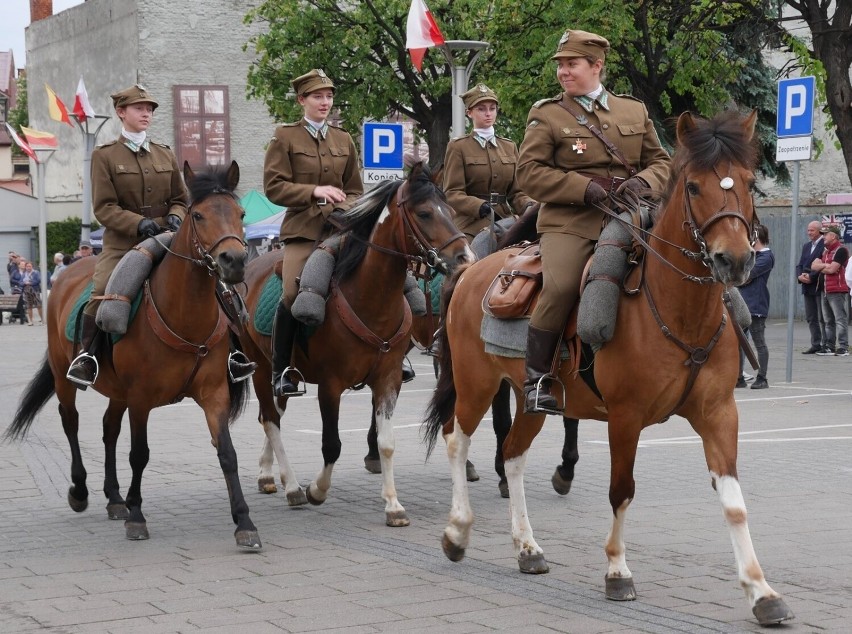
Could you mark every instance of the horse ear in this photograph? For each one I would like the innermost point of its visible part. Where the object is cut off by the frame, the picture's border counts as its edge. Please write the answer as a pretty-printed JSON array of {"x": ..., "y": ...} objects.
[
  {"x": 233, "y": 176},
  {"x": 685, "y": 124},
  {"x": 749, "y": 124},
  {"x": 188, "y": 174}
]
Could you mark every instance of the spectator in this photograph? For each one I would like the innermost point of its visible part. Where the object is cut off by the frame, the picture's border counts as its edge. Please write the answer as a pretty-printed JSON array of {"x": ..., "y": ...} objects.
[
  {"x": 755, "y": 292},
  {"x": 16, "y": 281},
  {"x": 835, "y": 301},
  {"x": 32, "y": 292},
  {"x": 12, "y": 265},
  {"x": 58, "y": 265},
  {"x": 812, "y": 290}
]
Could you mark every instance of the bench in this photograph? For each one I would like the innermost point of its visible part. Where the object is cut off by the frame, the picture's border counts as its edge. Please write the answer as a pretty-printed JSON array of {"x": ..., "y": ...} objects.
[{"x": 9, "y": 304}]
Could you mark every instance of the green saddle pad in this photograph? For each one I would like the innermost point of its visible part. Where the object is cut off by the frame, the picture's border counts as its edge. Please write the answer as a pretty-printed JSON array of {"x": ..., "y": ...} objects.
[
  {"x": 81, "y": 302},
  {"x": 435, "y": 285},
  {"x": 264, "y": 314}
]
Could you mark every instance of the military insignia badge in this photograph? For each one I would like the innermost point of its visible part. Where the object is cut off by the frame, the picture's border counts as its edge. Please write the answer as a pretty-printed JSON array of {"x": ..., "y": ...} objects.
[
  {"x": 532, "y": 123},
  {"x": 579, "y": 146},
  {"x": 483, "y": 88}
]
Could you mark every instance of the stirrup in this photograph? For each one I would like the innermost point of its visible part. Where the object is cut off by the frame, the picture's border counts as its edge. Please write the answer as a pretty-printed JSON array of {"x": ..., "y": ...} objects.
[
  {"x": 77, "y": 362},
  {"x": 538, "y": 409},
  {"x": 242, "y": 362},
  {"x": 407, "y": 370},
  {"x": 301, "y": 381},
  {"x": 434, "y": 350}
]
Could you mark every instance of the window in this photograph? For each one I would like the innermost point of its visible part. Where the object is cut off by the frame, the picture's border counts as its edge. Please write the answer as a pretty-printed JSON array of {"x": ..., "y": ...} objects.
[{"x": 202, "y": 131}]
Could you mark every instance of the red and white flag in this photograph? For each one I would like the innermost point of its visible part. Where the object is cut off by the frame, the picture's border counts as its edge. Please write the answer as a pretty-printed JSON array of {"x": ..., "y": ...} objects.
[
  {"x": 21, "y": 143},
  {"x": 82, "y": 108},
  {"x": 421, "y": 32}
]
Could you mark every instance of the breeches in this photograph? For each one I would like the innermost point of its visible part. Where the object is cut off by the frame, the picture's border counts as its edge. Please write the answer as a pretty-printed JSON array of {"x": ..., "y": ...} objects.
[
  {"x": 564, "y": 257},
  {"x": 296, "y": 253},
  {"x": 107, "y": 261}
]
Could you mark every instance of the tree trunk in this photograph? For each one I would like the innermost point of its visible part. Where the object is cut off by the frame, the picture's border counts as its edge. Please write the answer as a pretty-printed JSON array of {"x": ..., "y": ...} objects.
[{"x": 438, "y": 134}]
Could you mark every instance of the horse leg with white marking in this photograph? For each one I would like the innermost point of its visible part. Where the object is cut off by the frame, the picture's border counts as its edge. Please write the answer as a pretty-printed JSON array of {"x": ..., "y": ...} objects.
[
  {"x": 395, "y": 514},
  {"x": 457, "y": 533}
]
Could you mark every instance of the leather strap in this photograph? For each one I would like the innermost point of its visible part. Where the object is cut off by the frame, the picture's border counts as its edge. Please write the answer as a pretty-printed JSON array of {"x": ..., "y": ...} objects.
[
  {"x": 154, "y": 211},
  {"x": 113, "y": 296},
  {"x": 584, "y": 121},
  {"x": 360, "y": 329}
]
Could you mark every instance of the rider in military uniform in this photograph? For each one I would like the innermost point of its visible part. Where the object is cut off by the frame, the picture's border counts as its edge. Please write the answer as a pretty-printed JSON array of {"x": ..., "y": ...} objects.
[
  {"x": 479, "y": 169},
  {"x": 311, "y": 168},
  {"x": 559, "y": 156},
  {"x": 137, "y": 192}
]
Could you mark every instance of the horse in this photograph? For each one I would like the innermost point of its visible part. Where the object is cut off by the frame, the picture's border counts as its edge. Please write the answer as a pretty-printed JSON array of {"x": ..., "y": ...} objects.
[
  {"x": 366, "y": 329},
  {"x": 675, "y": 314},
  {"x": 178, "y": 348}
]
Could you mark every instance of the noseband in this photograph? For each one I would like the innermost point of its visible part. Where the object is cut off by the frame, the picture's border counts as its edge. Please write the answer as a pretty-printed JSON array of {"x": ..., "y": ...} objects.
[{"x": 429, "y": 255}]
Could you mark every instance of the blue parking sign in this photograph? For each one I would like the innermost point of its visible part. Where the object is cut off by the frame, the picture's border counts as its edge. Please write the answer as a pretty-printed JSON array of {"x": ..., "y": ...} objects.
[
  {"x": 795, "y": 107},
  {"x": 382, "y": 146}
]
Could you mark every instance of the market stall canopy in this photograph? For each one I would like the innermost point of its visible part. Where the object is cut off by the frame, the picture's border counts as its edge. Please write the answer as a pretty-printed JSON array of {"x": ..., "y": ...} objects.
[{"x": 258, "y": 207}]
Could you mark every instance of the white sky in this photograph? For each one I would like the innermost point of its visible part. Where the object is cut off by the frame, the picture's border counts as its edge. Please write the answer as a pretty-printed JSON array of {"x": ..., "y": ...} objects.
[{"x": 14, "y": 18}]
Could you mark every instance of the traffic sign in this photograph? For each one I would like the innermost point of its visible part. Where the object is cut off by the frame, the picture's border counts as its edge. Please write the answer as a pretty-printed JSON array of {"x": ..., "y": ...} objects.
[
  {"x": 382, "y": 146},
  {"x": 796, "y": 107}
]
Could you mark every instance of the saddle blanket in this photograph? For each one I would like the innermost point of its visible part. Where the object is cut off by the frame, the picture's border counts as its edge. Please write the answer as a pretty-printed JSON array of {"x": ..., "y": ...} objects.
[
  {"x": 80, "y": 304},
  {"x": 267, "y": 304},
  {"x": 508, "y": 337}
]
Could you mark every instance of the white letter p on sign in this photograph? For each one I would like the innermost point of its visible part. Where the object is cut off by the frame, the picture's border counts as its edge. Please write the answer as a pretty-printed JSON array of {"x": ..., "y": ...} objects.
[
  {"x": 383, "y": 143},
  {"x": 796, "y": 104}
]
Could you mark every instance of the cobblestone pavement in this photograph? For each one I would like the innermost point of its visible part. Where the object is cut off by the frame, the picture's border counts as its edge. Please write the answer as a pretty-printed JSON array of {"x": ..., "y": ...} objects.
[{"x": 338, "y": 567}]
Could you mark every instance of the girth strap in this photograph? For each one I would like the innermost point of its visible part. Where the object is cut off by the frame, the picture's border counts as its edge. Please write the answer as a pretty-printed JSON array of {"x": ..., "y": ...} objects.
[{"x": 360, "y": 329}]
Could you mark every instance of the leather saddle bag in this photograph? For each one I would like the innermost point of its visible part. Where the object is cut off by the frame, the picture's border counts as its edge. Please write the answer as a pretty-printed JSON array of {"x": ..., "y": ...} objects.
[{"x": 512, "y": 293}]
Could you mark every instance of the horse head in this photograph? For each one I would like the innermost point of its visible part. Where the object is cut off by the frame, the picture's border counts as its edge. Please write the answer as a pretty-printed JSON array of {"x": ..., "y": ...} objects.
[
  {"x": 214, "y": 223},
  {"x": 427, "y": 219},
  {"x": 714, "y": 175}
]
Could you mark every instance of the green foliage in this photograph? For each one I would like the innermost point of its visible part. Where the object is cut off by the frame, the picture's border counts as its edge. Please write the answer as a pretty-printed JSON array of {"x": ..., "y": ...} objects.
[
  {"x": 63, "y": 236},
  {"x": 19, "y": 115}
]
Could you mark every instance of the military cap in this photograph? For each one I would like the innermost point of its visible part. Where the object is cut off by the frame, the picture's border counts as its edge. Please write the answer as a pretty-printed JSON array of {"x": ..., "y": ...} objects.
[
  {"x": 129, "y": 96},
  {"x": 581, "y": 44},
  {"x": 832, "y": 229},
  {"x": 309, "y": 82},
  {"x": 477, "y": 94}
]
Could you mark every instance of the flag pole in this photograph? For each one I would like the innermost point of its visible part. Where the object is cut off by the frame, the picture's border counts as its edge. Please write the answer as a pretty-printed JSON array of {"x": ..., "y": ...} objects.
[
  {"x": 461, "y": 76},
  {"x": 89, "y": 138},
  {"x": 44, "y": 155}
]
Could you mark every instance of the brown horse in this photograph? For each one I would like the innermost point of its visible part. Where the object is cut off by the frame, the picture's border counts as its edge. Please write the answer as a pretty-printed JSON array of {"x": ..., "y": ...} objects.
[
  {"x": 177, "y": 348},
  {"x": 396, "y": 224},
  {"x": 705, "y": 225}
]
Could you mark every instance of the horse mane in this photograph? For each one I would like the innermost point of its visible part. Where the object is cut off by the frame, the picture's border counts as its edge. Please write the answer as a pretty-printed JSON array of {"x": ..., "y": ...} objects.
[
  {"x": 710, "y": 142},
  {"x": 361, "y": 219},
  {"x": 213, "y": 180}
]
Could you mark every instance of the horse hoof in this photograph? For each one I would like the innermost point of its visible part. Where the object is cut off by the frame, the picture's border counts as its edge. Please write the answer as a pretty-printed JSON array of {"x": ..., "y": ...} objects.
[
  {"x": 620, "y": 589},
  {"x": 453, "y": 552},
  {"x": 266, "y": 484},
  {"x": 249, "y": 540},
  {"x": 771, "y": 611},
  {"x": 397, "y": 519},
  {"x": 136, "y": 531},
  {"x": 117, "y": 511},
  {"x": 373, "y": 465},
  {"x": 78, "y": 506},
  {"x": 504, "y": 488},
  {"x": 296, "y": 498},
  {"x": 470, "y": 472},
  {"x": 314, "y": 501},
  {"x": 560, "y": 484},
  {"x": 533, "y": 564}
]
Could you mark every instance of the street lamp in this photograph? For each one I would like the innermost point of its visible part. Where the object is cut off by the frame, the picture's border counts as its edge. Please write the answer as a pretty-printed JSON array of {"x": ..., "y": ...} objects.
[{"x": 461, "y": 75}]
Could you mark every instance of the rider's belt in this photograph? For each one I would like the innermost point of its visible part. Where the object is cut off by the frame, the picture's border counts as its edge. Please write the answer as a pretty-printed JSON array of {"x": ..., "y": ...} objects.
[
  {"x": 155, "y": 211},
  {"x": 610, "y": 184},
  {"x": 492, "y": 198}
]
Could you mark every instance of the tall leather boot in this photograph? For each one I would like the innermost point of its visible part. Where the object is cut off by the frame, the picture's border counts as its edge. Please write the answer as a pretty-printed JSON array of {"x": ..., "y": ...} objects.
[
  {"x": 84, "y": 368},
  {"x": 283, "y": 336},
  {"x": 240, "y": 367},
  {"x": 541, "y": 348}
]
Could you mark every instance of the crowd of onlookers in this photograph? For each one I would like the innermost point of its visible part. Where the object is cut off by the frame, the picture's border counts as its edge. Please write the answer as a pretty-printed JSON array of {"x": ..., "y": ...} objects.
[{"x": 26, "y": 282}]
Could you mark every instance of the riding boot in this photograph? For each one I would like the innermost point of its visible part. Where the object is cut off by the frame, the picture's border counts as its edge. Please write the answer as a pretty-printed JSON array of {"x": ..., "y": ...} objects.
[
  {"x": 541, "y": 348},
  {"x": 407, "y": 370},
  {"x": 283, "y": 336},
  {"x": 240, "y": 367},
  {"x": 84, "y": 368}
]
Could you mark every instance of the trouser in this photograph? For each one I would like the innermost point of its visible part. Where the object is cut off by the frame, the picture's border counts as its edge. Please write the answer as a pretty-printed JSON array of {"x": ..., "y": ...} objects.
[
  {"x": 105, "y": 265},
  {"x": 835, "y": 311},
  {"x": 296, "y": 253},
  {"x": 757, "y": 330},
  {"x": 813, "y": 315}
]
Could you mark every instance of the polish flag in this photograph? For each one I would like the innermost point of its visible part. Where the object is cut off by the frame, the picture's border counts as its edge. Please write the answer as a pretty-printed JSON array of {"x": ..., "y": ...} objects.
[
  {"x": 39, "y": 140},
  {"x": 82, "y": 108},
  {"x": 21, "y": 143},
  {"x": 421, "y": 32},
  {"x": 57, "y": 109}
]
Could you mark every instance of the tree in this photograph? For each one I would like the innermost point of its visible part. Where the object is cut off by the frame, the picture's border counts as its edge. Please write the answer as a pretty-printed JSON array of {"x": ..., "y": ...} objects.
[
  {"x": 830, "y": 24},
  {"x": 675, "y": 55},
  {"x": 19, "y": 115}
]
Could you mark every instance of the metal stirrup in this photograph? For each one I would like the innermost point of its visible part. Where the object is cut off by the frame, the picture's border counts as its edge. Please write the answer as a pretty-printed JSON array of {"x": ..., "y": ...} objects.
[
  {"x": 79, "y": 360},
  {"x": 301, "y": 381},
  {"x": 241, "y": 359},
  {"x": 538, "y": 392}
]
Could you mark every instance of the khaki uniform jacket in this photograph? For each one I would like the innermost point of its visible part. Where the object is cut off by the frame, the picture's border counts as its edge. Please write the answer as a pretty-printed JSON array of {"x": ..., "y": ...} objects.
[
  {"x": 472, "y": 172},
  {"x": 124, "y": 181},
  {"x": 550, "y": 158},
  {"x": 296, "y": 163}
]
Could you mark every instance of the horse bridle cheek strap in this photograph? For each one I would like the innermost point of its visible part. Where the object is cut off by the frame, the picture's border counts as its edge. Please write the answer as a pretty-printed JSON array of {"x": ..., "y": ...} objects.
[
  {"x": 176, "y": 342},
  {"x": 697, "y": 356},
  {"x": 362, "y": 331},
  {"x": 408, "y": 224}
]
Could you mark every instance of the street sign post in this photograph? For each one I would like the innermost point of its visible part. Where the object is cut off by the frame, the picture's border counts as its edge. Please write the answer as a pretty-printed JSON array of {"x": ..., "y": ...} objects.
[{"x": 382, "y": 152}]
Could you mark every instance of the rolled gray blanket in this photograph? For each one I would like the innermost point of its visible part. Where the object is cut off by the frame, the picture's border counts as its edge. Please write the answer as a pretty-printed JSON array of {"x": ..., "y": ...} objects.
[
  {"x": 599, "y": 302},
  {"x": 126, "y": 280},
  {"x": 309, "y": 305},
  {"x": 414, "y": 296}
]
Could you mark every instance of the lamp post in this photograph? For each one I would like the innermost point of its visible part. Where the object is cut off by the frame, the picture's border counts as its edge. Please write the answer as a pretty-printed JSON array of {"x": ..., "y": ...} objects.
[
  {"x": 89, "y": 127},
  {"x": 461, "y": 75},
  {"x": 44, "y": 155}
]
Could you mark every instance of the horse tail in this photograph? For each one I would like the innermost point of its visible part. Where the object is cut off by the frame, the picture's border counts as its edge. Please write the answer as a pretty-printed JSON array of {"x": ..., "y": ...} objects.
[
  {"x": 41, "y": 387},
  {"x": 442, "y": 405},
  {"x": 238, "y": 392}
]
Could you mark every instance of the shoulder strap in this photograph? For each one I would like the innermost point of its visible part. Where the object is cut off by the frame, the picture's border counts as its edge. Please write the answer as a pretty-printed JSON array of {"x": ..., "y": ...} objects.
[{"x": 583, "y": 120}]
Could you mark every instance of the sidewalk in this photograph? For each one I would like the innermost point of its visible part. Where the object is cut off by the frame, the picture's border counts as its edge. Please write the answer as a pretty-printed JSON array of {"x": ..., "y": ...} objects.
[{"x": 337, "y": 567}]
